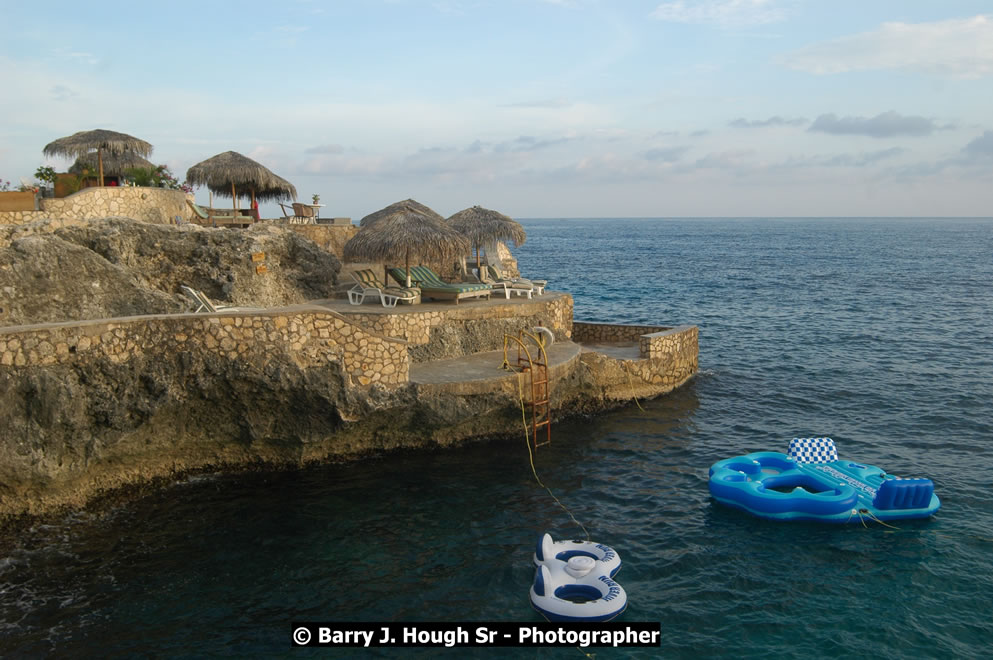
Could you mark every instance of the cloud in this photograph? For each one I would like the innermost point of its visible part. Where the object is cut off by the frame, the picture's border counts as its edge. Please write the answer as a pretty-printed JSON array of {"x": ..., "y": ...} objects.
[
  {"x": 741, "y": 122},
  {"x": 545, "y": 103},
  {"x": 63, "y": 93},
  {"x": 981, "y": 147},
  {"x": 325, "y": 149},
  {"x": 723, "y": 13},
  {"x": 665, "y": 154},
  {"x": 887, "y": 124},
  {"x": 528, "y": 143},
  {"x": 701, "y": 133},
  {"x": 958, "y": 48},
  {"x": 726, "y": 160},
  {"x": 844, "y": 160}
]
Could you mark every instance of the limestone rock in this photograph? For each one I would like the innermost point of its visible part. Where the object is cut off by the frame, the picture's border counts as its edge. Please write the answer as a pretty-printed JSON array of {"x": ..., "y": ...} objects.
[{"x": 118, "y": 267}]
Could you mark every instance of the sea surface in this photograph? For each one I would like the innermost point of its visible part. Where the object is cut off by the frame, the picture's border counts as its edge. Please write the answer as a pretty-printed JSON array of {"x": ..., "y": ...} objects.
[{"x": 875, "y": 332}]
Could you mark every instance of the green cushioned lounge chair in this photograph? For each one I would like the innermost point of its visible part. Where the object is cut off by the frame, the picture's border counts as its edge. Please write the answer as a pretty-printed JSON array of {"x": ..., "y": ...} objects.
[
  {"x": 432, "y": 286},
  {"x": 367, "y": 284}
]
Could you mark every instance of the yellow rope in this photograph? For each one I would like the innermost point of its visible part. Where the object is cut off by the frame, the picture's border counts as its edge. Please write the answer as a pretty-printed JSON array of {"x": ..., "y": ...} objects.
[
  {"x": 631, "y": 383},
  {"x": 534, "y": 471},
  {"x": 881, "y": 522}
]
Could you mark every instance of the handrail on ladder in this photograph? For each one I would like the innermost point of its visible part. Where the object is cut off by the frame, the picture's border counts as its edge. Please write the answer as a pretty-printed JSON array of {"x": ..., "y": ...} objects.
[{"x": 541, "y": 415}]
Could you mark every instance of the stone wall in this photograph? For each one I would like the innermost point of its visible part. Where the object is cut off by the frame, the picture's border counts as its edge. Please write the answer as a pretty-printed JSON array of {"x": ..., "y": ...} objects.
[
  {"x": 312, "y": 336},
  {"x": 455, "y": 330},
  {"x": 20, "y": 217},
  {"x": 680, "y": 343},
  {"x": 585, "y": 332},
  {"x": 668, "y": 358},
  {"x": 155, "y": 205}
]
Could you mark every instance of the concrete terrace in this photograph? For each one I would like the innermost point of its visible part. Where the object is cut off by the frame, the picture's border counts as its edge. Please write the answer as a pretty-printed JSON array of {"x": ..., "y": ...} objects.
[
  {"x": 482, "y": 371},
  {"x": 486, "y": 367}
]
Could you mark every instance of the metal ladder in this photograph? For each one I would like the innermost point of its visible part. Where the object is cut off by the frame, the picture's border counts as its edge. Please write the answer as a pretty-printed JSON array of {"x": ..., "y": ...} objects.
[{"x": 537, "y": 369}]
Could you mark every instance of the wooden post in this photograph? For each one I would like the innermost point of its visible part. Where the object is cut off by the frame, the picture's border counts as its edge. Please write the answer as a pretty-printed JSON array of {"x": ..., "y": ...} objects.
[
  {"x": 100, "y": 164},
  {"x": 234, "y": 200}
]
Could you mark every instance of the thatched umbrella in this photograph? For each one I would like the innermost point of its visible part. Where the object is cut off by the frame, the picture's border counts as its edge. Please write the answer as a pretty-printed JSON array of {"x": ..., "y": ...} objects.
[
  {"x": 113, "y": 164},
  {"x": 232, "y": 174},
  {"x": 483, "y": 225},
  {"x": 403, "y": 233},
  {"x": 407, "y": 203},
  {"x": 110, "y": 142}
]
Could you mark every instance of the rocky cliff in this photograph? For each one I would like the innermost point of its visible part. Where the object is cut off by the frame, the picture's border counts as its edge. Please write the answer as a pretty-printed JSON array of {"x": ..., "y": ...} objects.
[{"x": 118, "y": 267}]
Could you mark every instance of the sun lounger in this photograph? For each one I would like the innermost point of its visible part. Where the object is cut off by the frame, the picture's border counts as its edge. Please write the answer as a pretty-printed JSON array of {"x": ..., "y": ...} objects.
[
  {"x": 520, "y": 287},
  {"x": 208, "y": 217},
  {"x": 432, "y": 286},
  {"x": 203, "y": 303},
  {"x": 492, "y": 272},
  {"x": 303, "y": 214},
  {"x": 367, "y": 284}
]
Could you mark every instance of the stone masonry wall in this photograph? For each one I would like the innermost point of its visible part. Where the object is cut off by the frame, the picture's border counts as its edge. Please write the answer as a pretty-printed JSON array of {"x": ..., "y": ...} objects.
[
  {"x": 682, "y": 342},
  {"x": 155, "y": 205},
  {"x": 593, "y": 333},
  {"x": 20, "y": 217},
  {"x": 311, "y": 336},
  {"x": 668, "y": 359},
  {"x": 455, "y": 330}
]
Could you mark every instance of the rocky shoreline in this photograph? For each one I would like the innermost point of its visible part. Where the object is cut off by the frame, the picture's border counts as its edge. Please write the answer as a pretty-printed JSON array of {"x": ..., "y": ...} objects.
[{"x": 97, "y": 410}]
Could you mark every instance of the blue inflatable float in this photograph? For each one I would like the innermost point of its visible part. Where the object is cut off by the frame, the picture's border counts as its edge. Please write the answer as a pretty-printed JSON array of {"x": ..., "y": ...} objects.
[{"x": 811, "y": 483}]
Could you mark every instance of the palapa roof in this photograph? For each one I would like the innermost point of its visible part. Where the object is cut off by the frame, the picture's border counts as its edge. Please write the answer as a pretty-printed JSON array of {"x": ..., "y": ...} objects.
[
  {"x": 408, "y": 203},
  {"x": 405, "y": 234},
  {"x": 113, "y": 164},
  {"x": 108, "y": 142},
  {"x": 248, "y": 176},
  {"x": 483, "y": 225}
]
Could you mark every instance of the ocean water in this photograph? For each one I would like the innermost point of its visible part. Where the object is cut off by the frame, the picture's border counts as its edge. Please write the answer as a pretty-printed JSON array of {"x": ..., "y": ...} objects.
[{"x": 876, "y": 332}]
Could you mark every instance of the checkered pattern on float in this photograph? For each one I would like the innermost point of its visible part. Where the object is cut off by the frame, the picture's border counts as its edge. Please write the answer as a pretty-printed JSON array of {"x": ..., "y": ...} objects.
[{"x": 813, "y": 450}]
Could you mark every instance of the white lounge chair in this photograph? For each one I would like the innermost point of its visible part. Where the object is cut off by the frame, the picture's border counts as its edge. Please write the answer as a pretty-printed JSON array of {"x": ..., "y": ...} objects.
[
  {"x": 202, "y": 302},
  {"x": 518, "y": 285}
]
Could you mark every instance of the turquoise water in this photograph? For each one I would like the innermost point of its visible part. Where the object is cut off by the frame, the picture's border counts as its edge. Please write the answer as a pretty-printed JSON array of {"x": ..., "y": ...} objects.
[{"x": 878, "y": 333}]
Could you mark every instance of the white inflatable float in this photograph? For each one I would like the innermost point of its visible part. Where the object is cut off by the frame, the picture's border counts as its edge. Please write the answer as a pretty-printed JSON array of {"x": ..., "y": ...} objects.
[{"x": 573, "y": 581}]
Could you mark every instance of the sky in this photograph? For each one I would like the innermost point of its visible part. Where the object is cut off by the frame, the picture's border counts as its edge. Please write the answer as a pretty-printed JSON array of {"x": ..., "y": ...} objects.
[{"x": 535, "y": 108}]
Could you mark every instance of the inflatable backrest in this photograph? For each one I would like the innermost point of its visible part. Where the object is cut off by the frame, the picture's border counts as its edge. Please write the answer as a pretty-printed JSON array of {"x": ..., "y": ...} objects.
[
  {"x": 545, "y": 549},
  {"x": 903, "y": 494},
  {"x": 542, "y": 577},
  {"x": 813, "y": 450}
]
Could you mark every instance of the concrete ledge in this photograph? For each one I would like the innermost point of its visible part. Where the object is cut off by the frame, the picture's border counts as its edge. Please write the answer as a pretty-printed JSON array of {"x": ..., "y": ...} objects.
[{"x": 481, "y": 373}]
